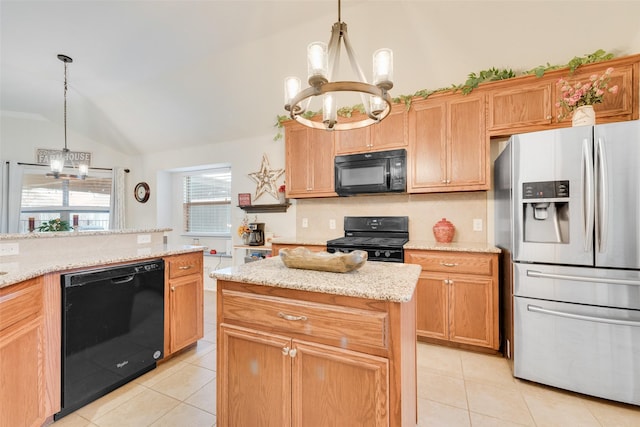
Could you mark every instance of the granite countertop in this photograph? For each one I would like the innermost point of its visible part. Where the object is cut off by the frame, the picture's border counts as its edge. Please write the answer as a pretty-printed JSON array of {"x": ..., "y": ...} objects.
[
  {"x": 384, "y": 281},
  {"x": 62, "y": 234},
  {"x": 15, "y": 269},
  {"x": 451, "y": 247}
]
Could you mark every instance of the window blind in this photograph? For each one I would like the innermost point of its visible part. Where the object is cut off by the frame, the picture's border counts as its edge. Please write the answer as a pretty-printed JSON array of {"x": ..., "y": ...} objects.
[{"x": 207, "y": 201}]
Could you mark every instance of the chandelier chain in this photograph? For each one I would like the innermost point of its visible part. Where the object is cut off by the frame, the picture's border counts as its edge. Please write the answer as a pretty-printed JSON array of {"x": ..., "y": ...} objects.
[{"x": 65, "y": 105}]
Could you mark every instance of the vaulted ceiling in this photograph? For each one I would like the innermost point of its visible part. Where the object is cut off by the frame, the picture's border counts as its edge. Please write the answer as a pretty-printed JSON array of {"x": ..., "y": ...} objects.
[{"x": 155, "y": 75}]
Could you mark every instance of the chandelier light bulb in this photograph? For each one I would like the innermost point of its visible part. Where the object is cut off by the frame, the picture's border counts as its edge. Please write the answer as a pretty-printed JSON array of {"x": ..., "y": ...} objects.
[
  {"x": 83, "y": 170},
  {"x": 292, "y": 87},
  {"x": 329, "y": 111},
  {"x": 317, "y": 63},
  {"x": 383, "y": 68},
  {"x": 377, "y": 105},
  {"x": 57, "y": 164}
]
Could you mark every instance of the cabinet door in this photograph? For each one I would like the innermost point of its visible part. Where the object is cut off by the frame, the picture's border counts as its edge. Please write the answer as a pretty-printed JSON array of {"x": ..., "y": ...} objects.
[
  {"x": 22, "y": 358},
  {"x": 309, "y": 162},
  {"x": 328, "y": 385},
  {"x": 468, "y": 165},
  {"x": 471, "y": 310},
  {"x": 185, "y": 311},
  {"x": 392, "y": 132},
  {"x": 520, "y": 107},
  {"x": 432, "y": 311},
  {"x": 254, "y": 372},
  {"x": 427, "y": 139},
  {"x": 353, "y": 141}
]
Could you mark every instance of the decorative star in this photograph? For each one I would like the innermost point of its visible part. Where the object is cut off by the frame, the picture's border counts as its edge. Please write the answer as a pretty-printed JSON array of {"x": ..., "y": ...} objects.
[{"x": 266, "y": 178}]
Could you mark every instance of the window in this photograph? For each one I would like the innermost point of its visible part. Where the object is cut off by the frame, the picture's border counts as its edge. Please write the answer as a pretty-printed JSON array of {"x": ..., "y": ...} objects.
[
  {"x": 207, "y": 201},
  {"x": 44, "y": 198}
]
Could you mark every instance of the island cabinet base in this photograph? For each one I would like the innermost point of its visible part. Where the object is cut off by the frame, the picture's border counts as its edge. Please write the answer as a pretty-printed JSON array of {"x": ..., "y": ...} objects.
[{"x": 298, "y": 358}]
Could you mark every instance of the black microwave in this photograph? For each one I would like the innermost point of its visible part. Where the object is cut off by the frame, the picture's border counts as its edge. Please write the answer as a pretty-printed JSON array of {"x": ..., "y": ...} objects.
[{"x": 376, "y": 172}]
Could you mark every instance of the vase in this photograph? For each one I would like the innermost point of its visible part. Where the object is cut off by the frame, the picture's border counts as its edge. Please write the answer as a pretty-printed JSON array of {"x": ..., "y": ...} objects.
[
  {"x": 584, "y": 116},
  {"x": 443, "y": 231},
  {"x": 281, "y": 198},
  {"x": 245, "y": 239}
]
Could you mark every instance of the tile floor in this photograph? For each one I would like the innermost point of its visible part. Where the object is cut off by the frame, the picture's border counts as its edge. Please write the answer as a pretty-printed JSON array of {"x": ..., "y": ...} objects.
[{"x": 455, "y": 388}]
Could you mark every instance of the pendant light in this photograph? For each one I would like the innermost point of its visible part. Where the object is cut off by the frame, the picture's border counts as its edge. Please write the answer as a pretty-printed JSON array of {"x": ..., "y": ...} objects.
[
  {"x": 322, "y": 61},
  {"x": 58, "y": 160}
]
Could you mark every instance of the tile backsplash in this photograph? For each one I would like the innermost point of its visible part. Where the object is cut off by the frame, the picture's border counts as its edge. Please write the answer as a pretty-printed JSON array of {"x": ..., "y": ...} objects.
[{"x": 423, "y": 210}]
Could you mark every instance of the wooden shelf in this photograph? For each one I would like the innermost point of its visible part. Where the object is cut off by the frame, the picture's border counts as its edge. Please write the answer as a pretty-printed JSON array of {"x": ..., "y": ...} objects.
[{"x": 266, "y": 208}]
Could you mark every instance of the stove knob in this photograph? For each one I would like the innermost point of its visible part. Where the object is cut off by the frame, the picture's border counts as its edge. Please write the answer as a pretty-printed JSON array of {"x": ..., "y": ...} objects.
[
  {"x": 377, "y": 253},
  {"x": 387, "y": 254}
]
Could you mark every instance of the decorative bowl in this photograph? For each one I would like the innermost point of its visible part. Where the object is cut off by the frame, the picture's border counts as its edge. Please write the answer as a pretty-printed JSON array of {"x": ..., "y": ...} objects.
[{"x": 338, "y": 262}]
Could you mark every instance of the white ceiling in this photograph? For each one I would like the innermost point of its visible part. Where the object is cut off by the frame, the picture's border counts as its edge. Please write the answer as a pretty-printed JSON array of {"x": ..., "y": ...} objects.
[{"x": 154, "y": 75}]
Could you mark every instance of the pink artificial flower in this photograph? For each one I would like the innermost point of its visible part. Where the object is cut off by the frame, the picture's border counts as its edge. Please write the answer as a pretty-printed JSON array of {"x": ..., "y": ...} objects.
[{"x": 613, "y": 89}]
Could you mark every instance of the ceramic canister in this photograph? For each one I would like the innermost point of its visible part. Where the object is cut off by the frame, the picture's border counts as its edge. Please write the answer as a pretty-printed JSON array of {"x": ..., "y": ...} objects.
[{"x": 443, "y": 231}]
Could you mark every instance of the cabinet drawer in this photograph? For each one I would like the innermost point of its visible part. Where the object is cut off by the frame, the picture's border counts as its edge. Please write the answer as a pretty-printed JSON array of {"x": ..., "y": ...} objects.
[
  {"x": 183, "y": 265},
  {"x": 343, "y": 325},
  {"x": 20, "y": 302},
  {"x": 454, "y": 262}
]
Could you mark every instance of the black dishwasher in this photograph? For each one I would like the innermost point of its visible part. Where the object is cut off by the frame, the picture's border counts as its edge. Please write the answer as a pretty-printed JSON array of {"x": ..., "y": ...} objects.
[{"x": 112, "y": 329}]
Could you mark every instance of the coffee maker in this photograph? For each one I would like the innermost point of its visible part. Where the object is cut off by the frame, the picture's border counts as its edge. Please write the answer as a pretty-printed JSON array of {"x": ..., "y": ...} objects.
[{"x": 256, "y": 233}]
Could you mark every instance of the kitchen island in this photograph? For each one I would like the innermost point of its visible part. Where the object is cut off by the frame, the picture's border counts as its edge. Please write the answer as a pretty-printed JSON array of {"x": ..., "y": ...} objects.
[{"x": 301, "y": 347}]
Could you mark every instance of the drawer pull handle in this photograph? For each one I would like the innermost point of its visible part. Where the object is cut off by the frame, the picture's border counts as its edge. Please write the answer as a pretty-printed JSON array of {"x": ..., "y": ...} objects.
[
  {"x": 449, "y": 264},
  {"x": 293, "y": 352},
  {"x": 173, "y": 289},
  {"x": 285, "y": 351},
  {"x": 291, "y": 317},
  {"x": 185, "y": 267}
]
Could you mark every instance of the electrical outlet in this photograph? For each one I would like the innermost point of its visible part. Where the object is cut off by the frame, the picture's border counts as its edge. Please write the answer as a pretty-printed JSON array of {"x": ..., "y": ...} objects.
[
  {"x": 144, "y": 238},
  {"x": 305, "y": 222},
  {"x": 7, "y": 249},
  {"x": 332, "y": 224},
  {"x": 477, "y": 224}
]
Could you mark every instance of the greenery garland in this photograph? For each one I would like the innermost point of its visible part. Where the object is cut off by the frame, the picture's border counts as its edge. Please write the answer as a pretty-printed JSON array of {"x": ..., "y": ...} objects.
[{"x": 472, "y": 82}]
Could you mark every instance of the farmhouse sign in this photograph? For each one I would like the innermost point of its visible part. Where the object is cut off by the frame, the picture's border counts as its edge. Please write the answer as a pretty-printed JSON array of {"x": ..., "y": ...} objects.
[{"x": 70, "y": 157}]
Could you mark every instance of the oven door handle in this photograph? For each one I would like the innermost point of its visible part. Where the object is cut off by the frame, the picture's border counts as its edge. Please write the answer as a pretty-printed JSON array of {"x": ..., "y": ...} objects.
[{"x": 536, "y": 309}]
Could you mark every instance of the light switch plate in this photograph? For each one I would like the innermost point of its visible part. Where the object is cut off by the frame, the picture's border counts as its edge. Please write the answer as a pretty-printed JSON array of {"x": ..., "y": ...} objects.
[
  {"x": 332, "y": 224},
  {"x": 477, "y": 224},
  {"x": 305, "y": 222}
]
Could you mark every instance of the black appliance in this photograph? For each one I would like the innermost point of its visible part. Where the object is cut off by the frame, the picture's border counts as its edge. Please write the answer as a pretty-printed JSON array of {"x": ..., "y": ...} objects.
[
  {"x": 256, "y": 235},
  {"x": 377, "y": 172},
  {"x": 112, "y": 329},
  {"x": 383, "y": 237}
]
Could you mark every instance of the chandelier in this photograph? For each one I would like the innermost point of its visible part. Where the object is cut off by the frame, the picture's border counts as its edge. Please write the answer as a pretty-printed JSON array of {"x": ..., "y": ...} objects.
[
  {"x": 57, "y": 161},
  {"x": 322, "y": 62}
]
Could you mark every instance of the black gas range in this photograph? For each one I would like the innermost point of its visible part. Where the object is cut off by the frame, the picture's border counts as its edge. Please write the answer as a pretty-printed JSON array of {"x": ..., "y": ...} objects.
[{"x": 383, "y": 237}]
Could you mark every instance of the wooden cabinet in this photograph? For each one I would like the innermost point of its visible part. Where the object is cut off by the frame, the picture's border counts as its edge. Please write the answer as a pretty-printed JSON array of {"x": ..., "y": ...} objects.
[
  {"x": 184, "y": 311},
  {"x": 296, "y": 358},
  {"x": 528, "y": 103},
  {"x": 389, "y": 134},
  {"x": 314, "y": 248},
  {"x": 29, "y": 353},
  {"x": 448, "y": 145},
  {"x": 309, "y": 161},
  {"x": 457, "y": 297}
]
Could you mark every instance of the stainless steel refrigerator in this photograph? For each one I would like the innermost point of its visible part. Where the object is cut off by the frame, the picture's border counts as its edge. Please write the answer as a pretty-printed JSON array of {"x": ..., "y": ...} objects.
[{"x": 567, "y": 206}]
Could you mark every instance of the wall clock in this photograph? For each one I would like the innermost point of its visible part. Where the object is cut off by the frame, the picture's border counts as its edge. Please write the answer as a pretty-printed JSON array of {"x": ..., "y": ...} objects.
[{"x": 141, "y": 192}]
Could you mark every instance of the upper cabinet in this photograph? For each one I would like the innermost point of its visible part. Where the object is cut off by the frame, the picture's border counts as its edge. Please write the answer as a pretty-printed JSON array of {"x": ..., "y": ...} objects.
[
  {"x": 309, "y": 161},
  {"x": 448, "y": 144},
  {"x": 389, "y": 134},
  {"x": 528, "y": 103}
]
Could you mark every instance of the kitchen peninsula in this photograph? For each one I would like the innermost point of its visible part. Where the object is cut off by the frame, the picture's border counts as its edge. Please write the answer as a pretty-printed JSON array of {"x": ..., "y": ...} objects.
[
  {"x": 316, "y": 348},
  {"x": 30, "y": 306}
]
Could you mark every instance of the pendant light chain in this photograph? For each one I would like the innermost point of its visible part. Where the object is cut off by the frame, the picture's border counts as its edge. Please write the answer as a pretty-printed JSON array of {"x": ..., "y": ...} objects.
[{"x": 65, "y": 105}]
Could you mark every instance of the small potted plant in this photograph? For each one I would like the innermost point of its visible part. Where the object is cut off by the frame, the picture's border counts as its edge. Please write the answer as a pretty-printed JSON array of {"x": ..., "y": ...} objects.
[
  {"x": 577, "y": 99},
  {"x": 282, "y": 197},
  {"x": 54, "y": 225}
]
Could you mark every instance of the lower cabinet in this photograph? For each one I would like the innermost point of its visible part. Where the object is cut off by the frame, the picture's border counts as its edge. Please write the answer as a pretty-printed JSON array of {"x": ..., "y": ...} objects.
[
  {"x": 29, "y": 356},
  {"x": 296, "y": 358},
  {"x": 307, "y": 383},
  {"x": 457, "y": 297},
  {"x": 184, "y": 293}
]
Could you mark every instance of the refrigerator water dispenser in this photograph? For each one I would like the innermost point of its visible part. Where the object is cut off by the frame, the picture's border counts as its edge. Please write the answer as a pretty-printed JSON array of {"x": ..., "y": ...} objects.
[{"x": 546, "y": 211}]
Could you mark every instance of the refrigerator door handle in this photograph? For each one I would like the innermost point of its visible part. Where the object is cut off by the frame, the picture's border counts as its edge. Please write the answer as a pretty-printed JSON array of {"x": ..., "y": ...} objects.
[
  {"x": 536, "y": 309},
  {"x": 587, "y": 196},
  {"x": 539, "y": 274},
  {"x": 601, "y": 195}
]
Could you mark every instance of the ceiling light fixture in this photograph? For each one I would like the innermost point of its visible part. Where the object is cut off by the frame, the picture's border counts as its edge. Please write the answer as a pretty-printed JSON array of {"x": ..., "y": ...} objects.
[
  {"x": 322, "y": 61},
  {"x": 58, "y": 160}
]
